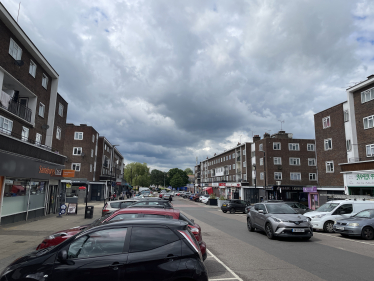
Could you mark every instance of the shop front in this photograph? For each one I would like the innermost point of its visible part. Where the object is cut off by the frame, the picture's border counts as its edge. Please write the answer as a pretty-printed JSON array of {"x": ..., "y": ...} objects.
[
  {"x": 25, "y": 191},
  {"x": 359, "y": 183},
  {"x": 313, "y": 197},
  {"x": 288, "y": 193}
]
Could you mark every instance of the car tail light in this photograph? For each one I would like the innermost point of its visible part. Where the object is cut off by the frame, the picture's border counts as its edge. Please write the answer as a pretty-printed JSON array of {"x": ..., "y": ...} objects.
[
  {"x": 196, "y": 232},
  {"x": 105, "y": 208},
  {"x": 186, "y": 234}
]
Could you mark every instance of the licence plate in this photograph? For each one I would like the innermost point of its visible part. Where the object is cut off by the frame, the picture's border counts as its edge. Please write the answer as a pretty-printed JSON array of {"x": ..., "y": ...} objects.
[
  {"x": 224, "y": 205},
  {"x": 298, "y": 230},
  {"x": 339, "y": 227}
]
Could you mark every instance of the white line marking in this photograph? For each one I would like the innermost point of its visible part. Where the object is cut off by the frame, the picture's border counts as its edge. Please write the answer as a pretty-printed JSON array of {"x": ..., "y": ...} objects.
[
  {"x": 223, "y": 279},
  {"x": 345, "y": 239},
  {"x": 225, "y": 266}
]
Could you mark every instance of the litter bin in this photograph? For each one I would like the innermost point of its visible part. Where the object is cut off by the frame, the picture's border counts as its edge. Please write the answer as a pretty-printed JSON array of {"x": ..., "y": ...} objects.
[{"x": 89, "y": 212}]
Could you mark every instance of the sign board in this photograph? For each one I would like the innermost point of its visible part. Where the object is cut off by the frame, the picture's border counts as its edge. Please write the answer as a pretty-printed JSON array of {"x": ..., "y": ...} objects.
[
  {"x": 63, "y": 209},
  {"x": 215, "y": 184},
  {"x": 310, "y": 189},
  {"x": 72, "y": 208},
  {"x": 358, "y": 180},
  {"x": 234, "y": 184},
  {"x": 68, "y": 173},
  {"x": 222, "y": 184}
]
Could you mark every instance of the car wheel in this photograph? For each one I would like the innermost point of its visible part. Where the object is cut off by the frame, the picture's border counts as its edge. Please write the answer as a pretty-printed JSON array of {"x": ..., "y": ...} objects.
[
  {"x": 232, "y": 211},
  {"x": 269, "y": 231},
  {"x": 328, "y": 227},
  {"x": 224, "y": 212},
  {"x": 367, "y": 233},
  {"x": 249, "y": 225}
]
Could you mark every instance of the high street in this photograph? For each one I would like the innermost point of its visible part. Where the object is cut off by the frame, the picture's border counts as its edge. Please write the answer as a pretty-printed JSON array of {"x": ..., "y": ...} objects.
[{"x": 252, "y": 256}]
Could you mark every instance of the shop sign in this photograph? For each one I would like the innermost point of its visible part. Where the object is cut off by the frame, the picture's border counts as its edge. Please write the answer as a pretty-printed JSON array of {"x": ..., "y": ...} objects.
[
  {"x": 310, "y": 189},
  {"x": 68, "y": 173},
  {"x": 293, "y": 188},
  {"x": 215, "y": 184},
  {"x": 8, "y": 182},
  {"x": 119, "y": 183},
  {"x": 222, "y": 184},
  {"x": 68, "y": 185},
  {"x": 46, "y": 170},
  {"x": 234, "y": 184},
  {"x": 360, "y": 179},
  {"x": 58, "y": 172}
]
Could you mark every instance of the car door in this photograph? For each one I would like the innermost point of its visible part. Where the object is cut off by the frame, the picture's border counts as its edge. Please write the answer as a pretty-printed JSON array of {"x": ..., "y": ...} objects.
[
  {"x": 343, "y": 211},
  {"x": 242, "y": 205},
  {"x": 260, "y": 219},
  {"x": 154, "y": 254},
  {"x": 95, "y": 256}
]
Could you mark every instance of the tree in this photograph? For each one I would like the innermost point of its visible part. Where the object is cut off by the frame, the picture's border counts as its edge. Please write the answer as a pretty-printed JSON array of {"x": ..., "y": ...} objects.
[
  {"x": 188, "y": 171},
  {"x": 183, "y": 175},
  {"x": 157, "y": 177},
  {"x": 137, "y": 174},
  {"x": 177, "y": 181}
]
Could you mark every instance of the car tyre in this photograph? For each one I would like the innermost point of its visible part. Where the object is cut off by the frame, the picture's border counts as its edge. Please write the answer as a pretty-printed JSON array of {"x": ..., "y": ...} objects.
[
  {"x": 249, "y": 226},
  {"x": 232, "y": 211},
  {"x": 224, "y": 212},
  {"x": 269, "y": 231},
  {"x": 328, "y": 227},
  {"x": 367, "y": 233}
]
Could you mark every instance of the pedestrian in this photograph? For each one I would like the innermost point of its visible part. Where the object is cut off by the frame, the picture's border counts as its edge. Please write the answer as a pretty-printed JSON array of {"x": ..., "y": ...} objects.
[
  {"x": 128, "y": 195},
  {"x": 114, "y": 196},
  {"x": 110, "y": 196},
  {"x": 170, "y": 198}
]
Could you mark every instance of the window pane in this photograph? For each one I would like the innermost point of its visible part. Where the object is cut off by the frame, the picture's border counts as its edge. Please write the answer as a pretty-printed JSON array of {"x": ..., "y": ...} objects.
[
  {"x": 370, "y": 125},
  {"x": 123, "y": 216}
]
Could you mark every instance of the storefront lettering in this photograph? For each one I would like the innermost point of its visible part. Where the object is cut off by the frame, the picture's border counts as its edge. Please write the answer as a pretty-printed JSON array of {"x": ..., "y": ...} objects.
[
  {"x": 43, "y": 170},
  {"x": 364, "y": 176}
]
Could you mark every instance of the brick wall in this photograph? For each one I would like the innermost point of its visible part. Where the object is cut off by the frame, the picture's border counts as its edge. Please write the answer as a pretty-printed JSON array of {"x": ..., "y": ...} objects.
[{"x": 60, "y": 121}]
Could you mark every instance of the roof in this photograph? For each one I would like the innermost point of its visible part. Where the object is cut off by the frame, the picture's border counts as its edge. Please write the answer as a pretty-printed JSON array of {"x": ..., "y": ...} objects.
[{"x": 155, "y": 211}]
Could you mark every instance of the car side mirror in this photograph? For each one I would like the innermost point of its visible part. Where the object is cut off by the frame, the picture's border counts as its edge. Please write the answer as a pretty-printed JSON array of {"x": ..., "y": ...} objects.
[
  {"x": 62, "y": 256},
  {"x": 261, "y": 211},
  {"x": 192, "y": 220}
]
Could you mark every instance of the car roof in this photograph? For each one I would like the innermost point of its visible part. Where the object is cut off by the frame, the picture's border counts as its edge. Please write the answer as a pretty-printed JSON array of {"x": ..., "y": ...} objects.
[
  {"x": 151, "y": 199},
  {"x": 147, "y": 211}
]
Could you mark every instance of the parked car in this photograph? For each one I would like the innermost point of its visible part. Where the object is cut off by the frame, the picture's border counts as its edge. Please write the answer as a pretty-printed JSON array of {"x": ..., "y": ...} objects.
[
  {"x": 202, "y": 197},
  {"x": 298, "y": 207},
  {"x": 278, "y": 220},
  {"x": 361, "y": 224},
  {"x": 111, "y": 206},
  {"x": 205, "y": 199},
  {"x": 191, "y": 196},
  {"x": 196, "y": 197},
  {"x": 100, "y": 253},
  {"x": 324, "y": 217},
  {"x": 247, "y": 208},
  {"x": 167, "y": 196},
  {"x": 234, "y": 205},
  {"x": 155, "y": 203},
  {"x": 186, "y": 194}
]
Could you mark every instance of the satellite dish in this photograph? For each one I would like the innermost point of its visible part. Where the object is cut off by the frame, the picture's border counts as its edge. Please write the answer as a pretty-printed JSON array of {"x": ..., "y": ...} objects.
[
  {"x": 83, "y": 154},
  {"x": 45, "y": 126},
  {"x": 19, "y": 62}
]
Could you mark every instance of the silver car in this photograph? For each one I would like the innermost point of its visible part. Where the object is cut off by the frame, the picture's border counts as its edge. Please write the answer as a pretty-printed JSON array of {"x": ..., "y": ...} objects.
[
  {"x": 361, "y": 224},
  {"x": 278, "y": 220}
]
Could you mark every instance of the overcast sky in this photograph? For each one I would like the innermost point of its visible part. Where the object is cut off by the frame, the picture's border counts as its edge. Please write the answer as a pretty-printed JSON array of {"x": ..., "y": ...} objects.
[{"x": 172, "y": 80}]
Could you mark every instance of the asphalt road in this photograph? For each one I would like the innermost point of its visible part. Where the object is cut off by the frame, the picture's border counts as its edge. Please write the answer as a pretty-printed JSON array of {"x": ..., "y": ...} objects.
[{"x": 252, "y": 256}]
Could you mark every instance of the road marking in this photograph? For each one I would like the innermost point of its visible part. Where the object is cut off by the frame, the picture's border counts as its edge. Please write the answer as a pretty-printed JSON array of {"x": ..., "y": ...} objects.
[
  {"x": 225, "y": 266},
  {"x": 345, "y": 239}
]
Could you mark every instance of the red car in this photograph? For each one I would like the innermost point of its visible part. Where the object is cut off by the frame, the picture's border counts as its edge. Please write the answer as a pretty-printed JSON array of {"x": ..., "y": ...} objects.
[
  {"x": 161, "y": 195},
  {"x": 128, "y": 213}
]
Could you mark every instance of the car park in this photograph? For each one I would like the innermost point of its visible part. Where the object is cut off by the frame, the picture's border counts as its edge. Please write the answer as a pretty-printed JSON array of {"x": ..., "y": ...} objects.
[
  {"x": 278, "y": 220},
  {"x": 361, "y": 224},
  {"x": 112, "y": 251},
  {"x": 298, "y": 207},
  {"x": 233, "y": 206},
  {"x": 324, "y": 217}
]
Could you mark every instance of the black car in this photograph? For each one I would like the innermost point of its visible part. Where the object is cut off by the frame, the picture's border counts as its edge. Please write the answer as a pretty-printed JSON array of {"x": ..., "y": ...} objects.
[
  {"x": 126, "y": 250},
  {"x": 234, "y": 205},
  {"x": 152, "y": 203}
]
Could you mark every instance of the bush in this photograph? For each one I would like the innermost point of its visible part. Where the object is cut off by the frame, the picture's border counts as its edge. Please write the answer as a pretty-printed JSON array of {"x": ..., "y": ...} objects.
[
  {"x": 222, "y": 197},
  {"x": 213, "y": 196}
]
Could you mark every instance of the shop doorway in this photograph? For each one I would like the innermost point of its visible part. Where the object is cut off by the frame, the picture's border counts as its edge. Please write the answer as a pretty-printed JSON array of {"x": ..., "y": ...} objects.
[
  {"x": 52, "y": 199},
  {"x": 97, "y": 192},
  {"x": 313, "y": 201},
  {"x": 251, "y": 195}
]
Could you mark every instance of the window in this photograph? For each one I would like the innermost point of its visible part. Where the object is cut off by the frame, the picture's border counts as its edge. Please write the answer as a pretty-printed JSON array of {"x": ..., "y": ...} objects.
[
  {"x": 370, "y": 150},
  {"x": 311, "y": 161},
  {"x": 91, "y": 152},
  {"x": 76, "y": 166},
  {"x": 312, "y": 176},
  {"x": 277, "y": 161},
  {"x": 230, "y": 167},
  {"x": 227, "y": 158},
  {"x": 77, "y": 151},
  {"x": 245, "y": 177},
  {"x": 230, "y": 157},
  {"x": 261, "y": 176},
  {"x": 156, "y": 237},
  {"x": 277, "y": 175},
  {"x": 253, "y": 154},
  {"x": 38, "y": 139},
  {"x": 368, "y": 122},
  {"x": 329, "y": 166},
  {"x": 344, "y": 209},
  {"x": 346, "y": 116},
  {"x": 328, "y": 144},
  {"x": 58, "y": 133},
  {"x": 25, "y": 133},
  {"x": 93, "y": 138},
  {"x": 295, "y": 176},
  {"x": 90, "y": 168},
  {"x": 244, "y": 164},
  {"x": 261, "y": 161},
  {"x": 260, "y": 148},
  {"x": 41, "y": 109},
  {"x": 221, "y": 159},
  {"x": 104, "y": 147},
  {"x": 233, "y": 166},
  {"x": 243, "y": 151},
  {"x": 326, "y": 122},
  {"x": 294, "y": 161},
  {"x": 99, "y": 243},
  {"x": 276, "y": 145},
  {"x": 78, "y": 135},
  {"x": 368, "y": 95},
  {"x": 293, "y": 146},
  {"x": 348, "y": 145},
  {"x": 6, "y": 125},
  {"x": 14, "y": 50},
  {"x": 60, "y": 110},
  {"x": 45, "y": 81},
  {"x": 32, "y": 68},
  {"x": 310, "y": 146}
]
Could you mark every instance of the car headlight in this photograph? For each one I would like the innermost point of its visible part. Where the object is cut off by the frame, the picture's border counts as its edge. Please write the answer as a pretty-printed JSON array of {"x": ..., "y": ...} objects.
[
  {"x": 276, "y": 219},
  {"x": 334, "y": 222},
  {"x": 319, "y": 216},
  {"x": 53, "y": 236},
  {"x": 353, "y": 224}
]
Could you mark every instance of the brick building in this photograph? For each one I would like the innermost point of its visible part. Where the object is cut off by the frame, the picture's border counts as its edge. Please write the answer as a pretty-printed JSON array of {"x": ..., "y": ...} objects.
[{"x": 30, "y": 156}]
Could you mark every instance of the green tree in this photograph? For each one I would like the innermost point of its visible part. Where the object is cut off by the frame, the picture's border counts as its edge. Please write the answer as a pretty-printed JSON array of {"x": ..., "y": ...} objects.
[
  {"x": 137, "y": 174},
  {"x": 157, "y": 177},
  {"x": 181, "y": 173},
  {"x": 177, "y": 181},
  {"x": 188, "y": 171}
]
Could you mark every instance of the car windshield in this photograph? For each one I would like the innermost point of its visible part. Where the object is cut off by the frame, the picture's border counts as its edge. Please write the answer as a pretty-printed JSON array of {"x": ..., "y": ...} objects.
[
  {"x": 328, "y": 207},
  {"x": 367, "y": 214},
  {"x": 280, "y": 209},
  {"x": 100, "y": 220}
]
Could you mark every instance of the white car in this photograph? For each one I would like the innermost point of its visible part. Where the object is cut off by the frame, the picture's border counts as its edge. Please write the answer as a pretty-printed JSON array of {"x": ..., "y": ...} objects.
[
  {"x": 203, "y": 197},
  {"x": 112, "y": 206}
]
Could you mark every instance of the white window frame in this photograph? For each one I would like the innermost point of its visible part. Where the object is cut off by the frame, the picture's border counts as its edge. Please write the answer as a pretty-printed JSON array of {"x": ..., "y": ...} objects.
[
  {"x": 327, "y": 144},
  {"x": 277, "y": 160},
  {"x": 295, "y": 176},
  {"x": 45, "y": 81},
  {"x": 25, "y": 133},
  {"x": 278, "y": 176},
  {"x": 38, "y": 139},
  {"x": 6, "y": 125},
  {"x": 329, "y": 167},
  {"x": 60, "y": 109},
  {"x": 348, "y": 145},
  {"x": 294, "y": 161},
  {"x": 367, "y": 95},
  {"x": 311, "y": 161},
  {"x": 243, "y": 151},
  {"x": 14, "y": 50},
  {"x": 346, "y": 115},
  {"x": 261, "y": 175},
  {"x": 370, "y": 150},
  {"x": 294, "y": 147},
  {"x": 90, "y": 168},
  {"x": 276, "y": 146},
  {"x": 92, "y": 152},
  {"x": 77, "y": 151},
  {"x": 244, "y": 164},
  {"x": 326, "y": 122},
  {"x": 93, "y": 138},
  {"x": 41, "y": 112},
  {"x": 77, "y": 135},
  {"x": 310, "y": 147},
  {"x": 312, "y": 176},
  {"x": 32, "y": 68},
  {"x": 58, "y": 133},
  {"x": 261, "y": 147},
  {"x": 230, "y": 157},
  {"x": 261, "y": 161},
  {"x": 368, "y": 122},
  {"x": 233, "y": 166},
  {"x": 76, "y": 167}
]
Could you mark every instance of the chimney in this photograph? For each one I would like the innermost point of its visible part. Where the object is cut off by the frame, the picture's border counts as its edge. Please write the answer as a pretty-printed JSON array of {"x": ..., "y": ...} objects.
[
  {"x": 256, "y": 138},
  {"x": 371, "y": 76},
  {"x": 266, "y": 135}
]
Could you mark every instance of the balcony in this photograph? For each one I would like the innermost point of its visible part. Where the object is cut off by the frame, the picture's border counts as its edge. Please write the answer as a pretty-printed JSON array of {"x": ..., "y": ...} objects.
[
  {"x": 20, "y": 110},
  {"x": 238, "y": 158}
]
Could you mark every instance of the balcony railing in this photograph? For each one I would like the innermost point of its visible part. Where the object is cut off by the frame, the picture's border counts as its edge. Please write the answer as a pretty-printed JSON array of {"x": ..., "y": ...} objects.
[
  {"x": 17, "y": 109},
  {"x": 356, "y": 159}
]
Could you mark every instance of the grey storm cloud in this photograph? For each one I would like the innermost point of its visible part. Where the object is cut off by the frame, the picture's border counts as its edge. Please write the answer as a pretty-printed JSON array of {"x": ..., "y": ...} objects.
[{"x": 169, "y": 80}]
